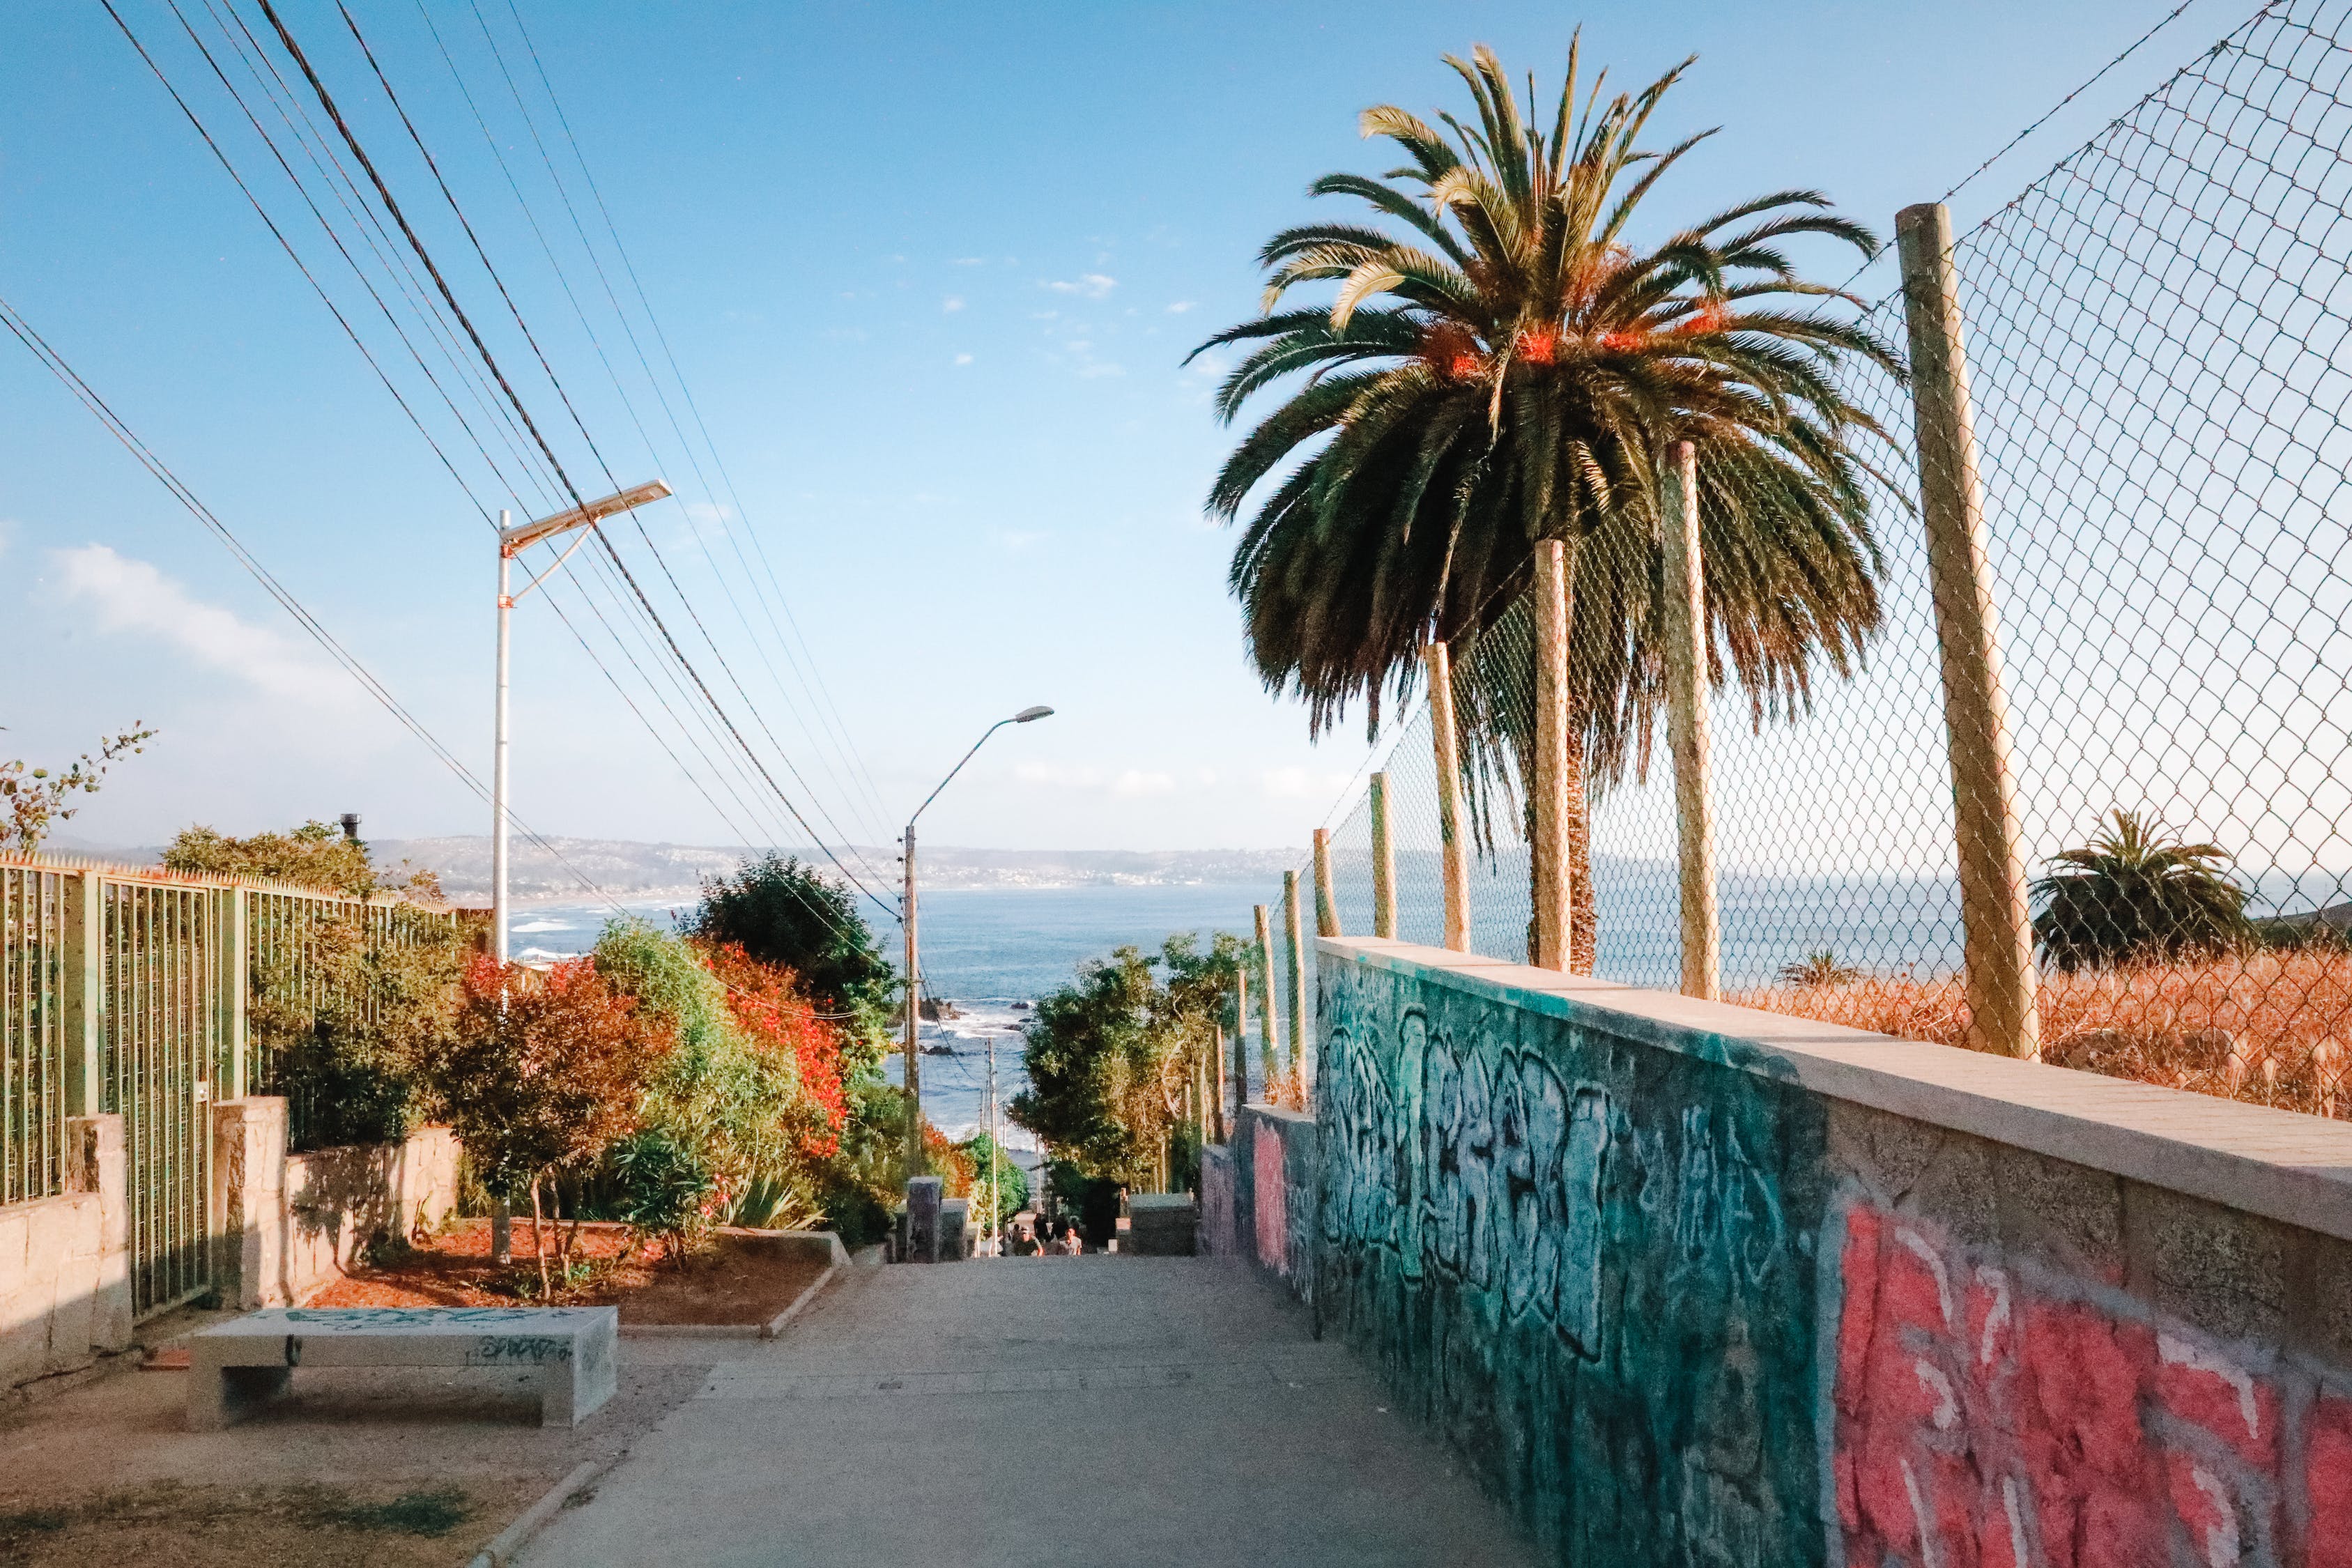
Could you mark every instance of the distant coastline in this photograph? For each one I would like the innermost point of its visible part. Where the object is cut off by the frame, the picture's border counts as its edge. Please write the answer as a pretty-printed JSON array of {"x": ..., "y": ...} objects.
[{"x": 654, "y": 872}]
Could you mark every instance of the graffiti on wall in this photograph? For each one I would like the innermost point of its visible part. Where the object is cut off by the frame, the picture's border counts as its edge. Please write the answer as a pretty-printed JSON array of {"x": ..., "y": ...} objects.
[
  {"x": 1987, "y": 1415},
  {"x": 1272, "y": 1209},
  {"x": 1591, "y": 1283}
]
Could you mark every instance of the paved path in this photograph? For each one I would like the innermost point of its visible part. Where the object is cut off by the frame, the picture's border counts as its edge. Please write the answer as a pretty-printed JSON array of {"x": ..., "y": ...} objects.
[{"x": 1063, "y": 1413}]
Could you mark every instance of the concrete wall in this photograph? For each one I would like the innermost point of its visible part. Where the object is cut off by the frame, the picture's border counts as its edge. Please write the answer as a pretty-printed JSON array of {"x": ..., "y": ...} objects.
[
  {"x": 1687, "y": 1284},
  {"x": 340, "y": 1203},
  {"x": 284, "y": 1227},
  {"x": 65, "y": 1263}
]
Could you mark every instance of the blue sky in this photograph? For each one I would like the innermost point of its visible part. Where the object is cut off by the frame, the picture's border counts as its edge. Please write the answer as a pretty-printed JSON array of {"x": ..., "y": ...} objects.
[{"x": 929, "y": 272}]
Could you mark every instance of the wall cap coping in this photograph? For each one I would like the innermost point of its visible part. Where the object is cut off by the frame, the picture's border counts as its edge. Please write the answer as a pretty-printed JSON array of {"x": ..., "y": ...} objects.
[
  {"x": 2285, "y": 1165},
  {"x": 1278, "y": 1112}
]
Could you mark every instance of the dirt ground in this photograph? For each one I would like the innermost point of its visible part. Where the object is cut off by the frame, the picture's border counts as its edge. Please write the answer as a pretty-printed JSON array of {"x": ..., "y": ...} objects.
[
  {"x": 738, "y": 1280},
  {"x": 390, "y": 1466}
]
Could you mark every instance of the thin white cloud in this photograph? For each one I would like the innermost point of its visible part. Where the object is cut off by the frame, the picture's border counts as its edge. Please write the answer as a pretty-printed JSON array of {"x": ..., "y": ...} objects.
[
  {"x": 1125, "y": 783},
  {"x": 710, "y": 511},
  {"x": 1178, "y": 307},
  {"x": 130, "y": 595},
  {"x": 1302, "y": 784},
  {"x": 951, "y": 304},
  {"x": 1092, "y": 285},
  {"x": 968, "y": 261},
  {"x": 1015, "y": 539},
  {"x": 962, "y": 359}
]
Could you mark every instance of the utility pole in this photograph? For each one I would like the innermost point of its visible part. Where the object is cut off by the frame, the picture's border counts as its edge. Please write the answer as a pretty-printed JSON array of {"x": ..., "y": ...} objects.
[
  {"x": 513, "y": 541},
  {"x": 995, "y": 1214},
  {"x": 914, "y": 973},
  {"x": 914, "y": 1074}
]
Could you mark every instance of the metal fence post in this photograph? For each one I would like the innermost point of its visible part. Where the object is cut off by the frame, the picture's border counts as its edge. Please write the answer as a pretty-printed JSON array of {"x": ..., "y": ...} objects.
[
  {"x": 82, "y": 895},
  {"x": 1686, "y": 639},
  {"x": 1453, "y": 853},
  {"x": 1997, "y": 931},
  {"x": 1293, "y": 975},
  {"x": 1548, "y": 886},
  {"x": 1266, "y": 1027},
  {"x": 1384, "y": 908},
  {"x": 235, "y": 982},
  {"x": 1327, "y": 902}
]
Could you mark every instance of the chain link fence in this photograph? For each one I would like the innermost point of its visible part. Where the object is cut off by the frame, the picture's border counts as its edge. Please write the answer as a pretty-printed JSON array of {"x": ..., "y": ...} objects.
[{"x": 2159, "y": 338}]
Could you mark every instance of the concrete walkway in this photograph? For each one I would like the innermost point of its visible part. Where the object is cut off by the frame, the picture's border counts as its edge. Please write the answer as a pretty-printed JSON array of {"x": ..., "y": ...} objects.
[{"x": 1037, "y": 1413}]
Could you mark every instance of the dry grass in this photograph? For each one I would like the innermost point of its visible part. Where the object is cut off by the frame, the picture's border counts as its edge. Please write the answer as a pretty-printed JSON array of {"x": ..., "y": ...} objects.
[{"x": 2267, "y": 1027}]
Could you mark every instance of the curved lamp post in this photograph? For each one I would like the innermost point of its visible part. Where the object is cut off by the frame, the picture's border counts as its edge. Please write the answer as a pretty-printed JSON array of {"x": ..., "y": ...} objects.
[{"x": 914, "y": 974}]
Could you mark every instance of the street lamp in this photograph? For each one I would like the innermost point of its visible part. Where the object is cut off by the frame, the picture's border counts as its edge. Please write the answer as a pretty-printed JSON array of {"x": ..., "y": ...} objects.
[
  {"x": 914, "y": 982},
  {"x": 513, "y": 541}
]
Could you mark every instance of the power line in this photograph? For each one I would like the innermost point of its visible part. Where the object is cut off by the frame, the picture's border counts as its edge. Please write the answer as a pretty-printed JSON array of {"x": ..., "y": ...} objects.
[
  {"x": 654, "y": 322},
  {"x": 392, "y": 205},
  {"x": 57, "y": 364},
  {"x": 629, "y": 404},
  {"x": 343, "y": 321}
]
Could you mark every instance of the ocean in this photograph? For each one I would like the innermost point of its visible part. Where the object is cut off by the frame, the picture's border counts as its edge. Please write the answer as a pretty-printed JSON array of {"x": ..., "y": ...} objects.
[{"x": 991, "y": 951}]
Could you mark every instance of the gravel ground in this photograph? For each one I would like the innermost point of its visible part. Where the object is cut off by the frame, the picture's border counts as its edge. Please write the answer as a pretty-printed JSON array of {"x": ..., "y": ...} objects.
[{"x": 376, "y": 1467}]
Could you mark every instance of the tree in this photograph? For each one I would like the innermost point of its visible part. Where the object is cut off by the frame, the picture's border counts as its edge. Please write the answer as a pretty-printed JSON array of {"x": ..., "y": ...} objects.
[
  {"x": 1512, "y": 369},
  {"x": 541, "y": 1079},
  {"x": 2136, "y": 894},
  {"x": 781, "y": 911},
  {"x": 1819, "y": 967},
  {"x": 345, "y": 1032},
  {"x": 315, "y": 854},
  {"x": 34, "y": 798},
  {"x": 1108, "y": 1057}
]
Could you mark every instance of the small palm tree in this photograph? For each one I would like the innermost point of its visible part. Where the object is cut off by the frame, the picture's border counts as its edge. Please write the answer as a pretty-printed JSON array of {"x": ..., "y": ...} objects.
[
  {"x": 1820, "y": 967},
  {"x": 2136, "y": 894}
]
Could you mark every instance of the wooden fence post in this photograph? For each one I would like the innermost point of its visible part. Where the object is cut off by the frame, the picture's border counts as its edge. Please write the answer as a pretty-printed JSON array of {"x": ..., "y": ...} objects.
[
  {"x": 1217, "y": 1084},
  {"x": 1997, "y": 930},
  {"x": 1453, "y": 852},
  {"x": 1267, "y": 1030},
  {"x": 1686, "y": 640},
  {"x": 1384, "y": 920},
  {"x": 1326, "y": 902},
  {"x": 1548, "y": 883},
  {"x": 1293, "y": 975},
  {"x": 1241, "y": 1041}
]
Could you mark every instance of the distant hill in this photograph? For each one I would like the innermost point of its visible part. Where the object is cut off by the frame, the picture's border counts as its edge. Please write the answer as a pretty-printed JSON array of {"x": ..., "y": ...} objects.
[{"x": 654, "y": 870}]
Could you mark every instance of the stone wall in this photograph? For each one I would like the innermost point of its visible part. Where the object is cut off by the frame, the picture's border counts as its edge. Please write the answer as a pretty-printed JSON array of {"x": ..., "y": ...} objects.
[
  {"x": 283, "y": 1227},
  {"x": 342, "y": 1203},
  {"x": 1684, "y": 1283},
  {"x": 65, "y": 1276}
]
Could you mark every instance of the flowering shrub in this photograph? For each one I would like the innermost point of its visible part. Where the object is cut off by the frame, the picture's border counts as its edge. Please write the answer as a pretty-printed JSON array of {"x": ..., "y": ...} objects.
[{"x": 769, "y": 1005}]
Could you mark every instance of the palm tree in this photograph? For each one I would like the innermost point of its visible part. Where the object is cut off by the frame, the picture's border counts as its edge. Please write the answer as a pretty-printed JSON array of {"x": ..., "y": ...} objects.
[
  {"x": 1512, "y": 369},
  {"x": 2136, "y": 894},
  {"x": 1819, "y": 967}
]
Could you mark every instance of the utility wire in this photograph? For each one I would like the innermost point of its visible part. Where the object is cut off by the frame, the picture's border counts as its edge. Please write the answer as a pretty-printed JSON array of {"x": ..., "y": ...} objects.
[
  {"x": 392, "y": 205},
  {"x": 343, "y": 321},
  {"x": 629, "y": 404},
  {"x": 57, "y": 364},
  {"x": 808, "y": 656}
]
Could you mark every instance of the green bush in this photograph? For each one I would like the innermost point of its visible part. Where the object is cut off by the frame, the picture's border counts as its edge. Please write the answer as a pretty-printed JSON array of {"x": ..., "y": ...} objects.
[{"x": 661, "y": 1188}]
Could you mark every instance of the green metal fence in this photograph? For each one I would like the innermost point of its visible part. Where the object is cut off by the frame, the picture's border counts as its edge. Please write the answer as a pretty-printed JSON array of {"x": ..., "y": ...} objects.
[
  {"x": 32, "y": 1033},
  {"x": 124, "y": 991}
]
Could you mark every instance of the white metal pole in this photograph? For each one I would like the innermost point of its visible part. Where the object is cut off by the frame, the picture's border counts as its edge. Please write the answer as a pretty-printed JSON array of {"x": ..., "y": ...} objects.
[
  {"x": 498, "y": 762},
  {"x": 996, "y": 1216},
  {"x": 914, "y": 1076}
]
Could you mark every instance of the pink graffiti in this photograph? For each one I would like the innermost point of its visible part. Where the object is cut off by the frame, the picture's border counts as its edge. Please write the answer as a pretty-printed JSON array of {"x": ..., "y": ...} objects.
[
  {"x": 1988, "y": 1418},
  {"x": 1271, "y": 1194}
]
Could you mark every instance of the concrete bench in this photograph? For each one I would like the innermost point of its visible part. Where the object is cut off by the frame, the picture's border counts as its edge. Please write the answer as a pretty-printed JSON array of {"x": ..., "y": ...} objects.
[{"x": 237, "y": 1367}]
